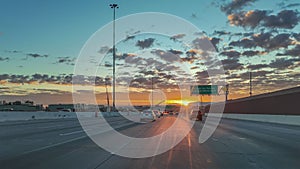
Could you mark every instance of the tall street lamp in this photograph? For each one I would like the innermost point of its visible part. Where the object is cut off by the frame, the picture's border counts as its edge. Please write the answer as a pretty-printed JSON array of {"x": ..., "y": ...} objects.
[{"x": 114, "y": 6}]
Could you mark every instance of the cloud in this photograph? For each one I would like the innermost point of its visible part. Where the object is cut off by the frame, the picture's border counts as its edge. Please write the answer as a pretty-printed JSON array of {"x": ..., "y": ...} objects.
[
  {"x": 257, "y": 66},
  {"x": 129, "y": 38},
  {"x": 232, "y": 64},
  {"x": 235, "y": 5},
  {"x": 282, "y": 63},
  {"x": 35, "y": 55},
  {"x": 191, "y": 56},
  {"x": 291, "y": 52},
  {"x": 107, "y": 64},
  {"x": 286, "y": 19},
  {"x": 250, "y": 53},
  {"x": 166, "y": 55},
  {"x": 147, "y": 72},
  {"x": 145, "y": 43},
  {"x": 203, "y": 43},
  {"x": 296, "y": 36},
  {"x": 292, "y": 5},
  {"x": 247, "y": 19},
  {"x": 231, "y": 54},
  {"x": 125, "y": 55},
  {"x": 255, "y": 74},
  {"x": 245, "y": 43},
  {"x": 265, "y": 40},
  {"x": 66, "y": 60},
  {"x": 4, "y": 59},
  {"x": 175, "y": 52},
  {"x": 105, "y": 49},
  {"x": 221, "y": 33},
  {"x": 13, "y": 51},
  {"x": 176, "y": 37}
]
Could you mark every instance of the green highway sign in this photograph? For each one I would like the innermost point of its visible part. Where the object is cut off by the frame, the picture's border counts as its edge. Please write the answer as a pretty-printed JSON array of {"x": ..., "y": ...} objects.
[{"x": 204, "y": 89}]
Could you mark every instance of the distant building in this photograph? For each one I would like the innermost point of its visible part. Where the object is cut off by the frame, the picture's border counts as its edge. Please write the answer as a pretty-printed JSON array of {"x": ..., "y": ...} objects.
[
  {"x": 75, "y": 107},
  {"x": 60, "y": 107},
  {"x": 19, "y": 106}
]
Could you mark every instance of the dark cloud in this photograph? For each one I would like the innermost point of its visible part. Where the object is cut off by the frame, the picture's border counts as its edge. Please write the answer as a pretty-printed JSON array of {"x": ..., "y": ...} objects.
[
  {"x": 244, "y": 43},
  {"x": 247, "y": 19},
  {"x": 147, "y": 72},
  {"x": 235, "y": 5},
  {"x": 66, "y": 60},
  {"x": 191, "y": 56},
  {"x": 145, "y": 43},
  {"x": 194, "y": 15},
  {"x": 176, "y": 37},
  {"x": 125, "y": 55},
  {"x": 59, "y": 79},
  {"x": 215, "y": 41},
  {"x": 286, "y": 19},
  {"x": 296, "y": 36},
  {"x": 35, "y": 55},
  {"x": 105, "y": 49},
  {"x": 291, "y": 52},
  {"x": 282, "y": 63},
  {"x": 4, "y": 59},
  {"x": 167, "y": 56},
  {"x": 232, "y": 64},
  {"x": 131, "y": 37},
  {"x": 231, "y": 54},
  {"x": 255, "y": 74},
  {"x": 175, "y": 52},
  {"x": 107, "y": 64},
  {"x": 258, "y": 66},
  {"x": 4, "y": 76},
  {"x": 170, "y": 67},
  {"x": 265, "y": 40},
  {"x": 250, "y": 53},
  {"x": 221, "y": 33},
  {"x": 203, "y": 43}
]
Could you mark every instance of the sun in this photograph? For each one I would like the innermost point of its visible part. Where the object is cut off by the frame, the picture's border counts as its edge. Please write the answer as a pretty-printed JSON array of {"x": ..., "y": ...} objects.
[{"x": 181, "y": 102}]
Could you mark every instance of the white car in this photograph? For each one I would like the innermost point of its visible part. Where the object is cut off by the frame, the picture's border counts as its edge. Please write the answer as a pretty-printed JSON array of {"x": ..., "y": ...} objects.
[
  {"x": 193, "y": 114},
  {"x": 148, "y": 115}
]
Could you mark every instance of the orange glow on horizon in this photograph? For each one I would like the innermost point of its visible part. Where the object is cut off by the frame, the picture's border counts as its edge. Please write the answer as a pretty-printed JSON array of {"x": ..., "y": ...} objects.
[{"x": 181, "y": 102}]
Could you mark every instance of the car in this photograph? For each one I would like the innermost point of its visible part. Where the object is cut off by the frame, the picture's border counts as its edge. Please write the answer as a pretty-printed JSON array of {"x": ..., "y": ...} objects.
[
  {"x": 195, "y": 115},
  {"x": 157, "y": 113},
  {"x": 147, "y": 115}
]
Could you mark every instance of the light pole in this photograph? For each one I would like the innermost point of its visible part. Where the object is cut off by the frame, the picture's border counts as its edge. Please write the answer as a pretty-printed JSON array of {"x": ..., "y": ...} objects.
[
  {"x": 114, "y": 6},
  {"x": 250, "y": 83},
  {"x": 107, "y": 97}
]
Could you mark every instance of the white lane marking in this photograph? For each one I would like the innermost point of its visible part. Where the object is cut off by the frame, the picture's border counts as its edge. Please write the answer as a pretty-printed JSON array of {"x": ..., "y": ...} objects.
[
  {"x": 53, "y": 145},
  {"x": 47, "y": 127},
  {"x": 214, "y": 139},
  {"x": 74, "y": 132},
  {"x": 67, "y": 141}
]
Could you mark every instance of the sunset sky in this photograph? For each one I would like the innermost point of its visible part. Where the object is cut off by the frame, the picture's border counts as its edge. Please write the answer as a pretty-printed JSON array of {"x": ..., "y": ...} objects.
[{"x": 40, "y": 42}]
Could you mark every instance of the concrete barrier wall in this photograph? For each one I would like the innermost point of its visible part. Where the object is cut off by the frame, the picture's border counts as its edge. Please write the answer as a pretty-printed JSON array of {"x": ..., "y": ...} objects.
[
  {"x": 280, "y": 119},
  {"x": 284, "y": 102},
  {"x": 16, "y": 116}
]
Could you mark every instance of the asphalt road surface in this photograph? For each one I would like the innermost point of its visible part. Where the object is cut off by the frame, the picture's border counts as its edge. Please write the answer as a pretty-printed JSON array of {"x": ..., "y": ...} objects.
[{"x": 62, "y": 144}]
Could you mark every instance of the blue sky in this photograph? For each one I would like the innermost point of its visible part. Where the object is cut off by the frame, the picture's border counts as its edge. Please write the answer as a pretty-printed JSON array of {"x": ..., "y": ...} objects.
[{"x": 45, "y": 37}]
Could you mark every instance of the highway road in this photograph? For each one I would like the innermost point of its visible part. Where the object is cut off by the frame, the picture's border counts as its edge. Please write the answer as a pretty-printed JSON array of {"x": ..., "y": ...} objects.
[{"x": 62, "y": 144}]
